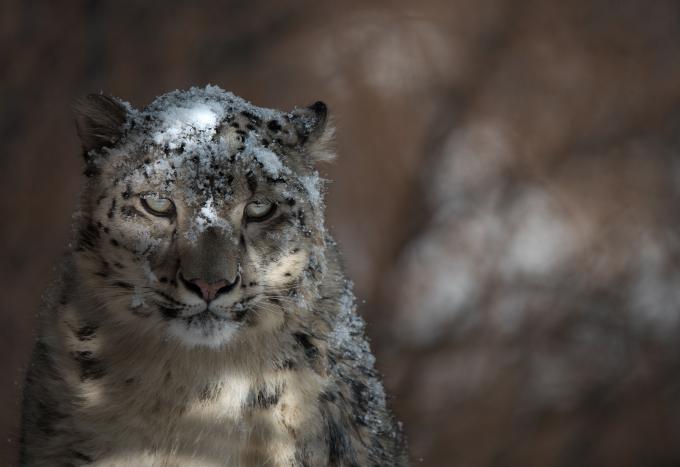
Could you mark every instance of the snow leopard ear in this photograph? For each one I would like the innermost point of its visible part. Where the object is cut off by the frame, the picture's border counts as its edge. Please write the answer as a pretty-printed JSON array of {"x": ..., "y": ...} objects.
[
  {"x": 99, "y": 121},
  {"x": 314, "y": 130}
]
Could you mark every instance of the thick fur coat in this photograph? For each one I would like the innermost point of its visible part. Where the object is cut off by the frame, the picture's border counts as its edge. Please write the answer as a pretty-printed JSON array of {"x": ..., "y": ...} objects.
[{"x": 202, "y": 317}]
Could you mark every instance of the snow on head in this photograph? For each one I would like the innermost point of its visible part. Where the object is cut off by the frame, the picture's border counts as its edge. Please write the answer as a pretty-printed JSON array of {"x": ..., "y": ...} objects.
[
  {"x": 186, "y": 120},
  {"x": 198, "y": 125},
  {"x": 271, "y": 163},
  {"x": 205, "y": 145},
  {"x": 312, "y": 185},
  {"x": 206, "y": 217}
]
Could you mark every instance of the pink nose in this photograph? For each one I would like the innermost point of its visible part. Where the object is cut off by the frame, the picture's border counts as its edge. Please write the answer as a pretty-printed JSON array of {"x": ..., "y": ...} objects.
[{"x": 209, "y": 290}]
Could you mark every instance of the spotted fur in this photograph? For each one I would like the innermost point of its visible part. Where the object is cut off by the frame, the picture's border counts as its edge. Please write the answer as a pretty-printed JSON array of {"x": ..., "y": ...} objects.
[{"x": 133, "y": 368}]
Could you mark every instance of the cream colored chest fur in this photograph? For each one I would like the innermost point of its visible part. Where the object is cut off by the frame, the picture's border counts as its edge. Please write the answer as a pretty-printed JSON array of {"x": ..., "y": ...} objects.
[{"x": 236, "y": 421}]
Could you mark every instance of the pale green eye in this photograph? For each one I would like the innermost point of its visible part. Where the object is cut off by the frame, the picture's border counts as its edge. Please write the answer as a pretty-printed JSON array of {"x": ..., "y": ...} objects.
[
  {"x": 259, "y": 210},
  {"x": 158, "y": 206}
]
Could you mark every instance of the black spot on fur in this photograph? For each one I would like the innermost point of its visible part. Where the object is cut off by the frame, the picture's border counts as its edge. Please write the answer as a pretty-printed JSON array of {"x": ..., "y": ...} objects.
[
  {"x": 112, "y": 209},
  {"x": 361, "y": 395},
  {"x": 250, "y": 127},
  {"x": 239, "y": 314},
  {"x": 340, "y": 450},
  {"x": 47, "y": 417},
  {"x": 311, "y": 352},
  {"x": 204, "y": 395},
  {"x": 128, "y": 191},
  {"x": 90, "y": 366},
  {"x": 88, "y": 237},
  {"x": 252, "y": 117},
  {"x": 91, "y": 169},
  {"x": 263, "y": 398},
  {"x": 114, "y": 242},
  {"x": 287, "y": 364},
  {"x": 63, "y": 299},
  {"x": 81, "y": 457},
  {"x": 300, "y": 216},
  {"x": 252, "y": 182},
  {"x": 275, "y": 181},
  {"x": 163, "y": 280},
  {"x": 209, "y": 392},
  {"x": 131, "y": 211},
  {"x": 118, "y": 265},
  {"x": 273, "y": 125},
  {"x": 86, "y": 333},
  {"x": 328, "y": 396},
  {"x": 105, "y": 270},
  {"x": 123, "y": 285},
  {"x": 168, "y": 313}
]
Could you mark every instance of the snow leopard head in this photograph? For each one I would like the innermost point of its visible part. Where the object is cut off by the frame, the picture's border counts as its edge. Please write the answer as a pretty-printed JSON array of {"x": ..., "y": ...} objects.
[{"x": 201, "y": 213}]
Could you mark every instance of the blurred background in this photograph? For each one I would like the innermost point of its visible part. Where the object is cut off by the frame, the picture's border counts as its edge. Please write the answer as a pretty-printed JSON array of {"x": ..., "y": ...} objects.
[{"x": 506, "y": 196}]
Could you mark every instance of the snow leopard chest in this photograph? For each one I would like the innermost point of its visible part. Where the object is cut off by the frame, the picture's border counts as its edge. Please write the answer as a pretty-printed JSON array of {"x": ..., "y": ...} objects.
[{"x": 233, "y": 421}]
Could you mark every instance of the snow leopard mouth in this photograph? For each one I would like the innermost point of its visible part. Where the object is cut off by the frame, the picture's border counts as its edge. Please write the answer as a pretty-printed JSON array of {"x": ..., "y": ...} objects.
[{"x": 234, "y": 312}]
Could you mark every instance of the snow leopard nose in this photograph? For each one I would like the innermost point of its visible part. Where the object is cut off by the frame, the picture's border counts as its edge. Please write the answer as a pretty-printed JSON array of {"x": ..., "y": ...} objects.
[{"x": 208, "y": 290}]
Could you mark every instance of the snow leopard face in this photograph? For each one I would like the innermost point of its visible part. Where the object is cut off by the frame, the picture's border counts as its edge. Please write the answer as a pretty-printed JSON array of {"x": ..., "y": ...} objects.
[{"x": 202, "y": 213}]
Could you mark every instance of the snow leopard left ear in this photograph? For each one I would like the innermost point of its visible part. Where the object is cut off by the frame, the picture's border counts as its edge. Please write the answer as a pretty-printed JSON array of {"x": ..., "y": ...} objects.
[
  {"x": 99, "y": 120},
  {"x": 314, "y": 131}
]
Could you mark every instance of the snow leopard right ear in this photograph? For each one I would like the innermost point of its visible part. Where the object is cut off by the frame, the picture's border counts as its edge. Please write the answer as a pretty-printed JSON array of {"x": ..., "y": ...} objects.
[
  {"x": 99, "y": 121},
  {"x": 314, "y": 130}
]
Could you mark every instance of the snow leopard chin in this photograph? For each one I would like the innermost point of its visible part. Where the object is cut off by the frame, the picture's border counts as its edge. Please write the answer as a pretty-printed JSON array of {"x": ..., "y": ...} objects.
[{"x": 202, "y": 330}]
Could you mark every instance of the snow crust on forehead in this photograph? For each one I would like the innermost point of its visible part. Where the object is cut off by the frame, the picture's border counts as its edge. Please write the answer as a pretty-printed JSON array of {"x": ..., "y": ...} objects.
[
  {"x": 194, "y": 115},
  {"x": 182, "y": 127}
]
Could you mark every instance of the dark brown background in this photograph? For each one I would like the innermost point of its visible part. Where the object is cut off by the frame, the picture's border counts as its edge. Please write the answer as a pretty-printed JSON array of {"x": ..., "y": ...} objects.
[{"x": 506, "y": 196}]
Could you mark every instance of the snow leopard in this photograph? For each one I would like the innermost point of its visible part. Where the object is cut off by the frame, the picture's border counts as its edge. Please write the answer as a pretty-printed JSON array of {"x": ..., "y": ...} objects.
[{"x": 201, "y": 316}]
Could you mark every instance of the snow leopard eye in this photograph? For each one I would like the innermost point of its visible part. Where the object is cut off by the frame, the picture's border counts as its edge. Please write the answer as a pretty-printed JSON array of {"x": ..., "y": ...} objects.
[
  {"x": 258, "y": 211},
  {"x": 161, "y": 207}
]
